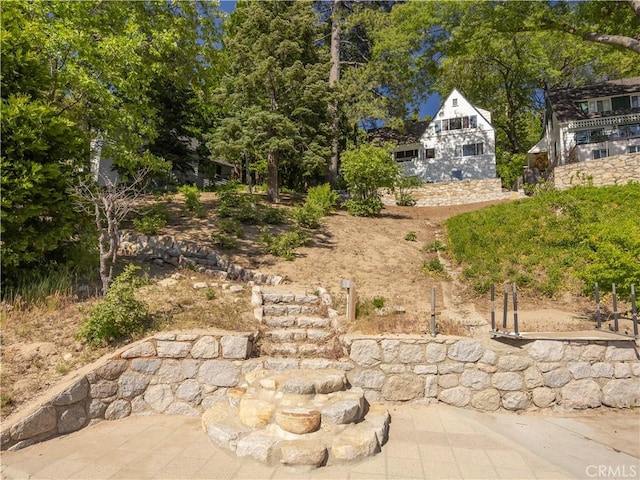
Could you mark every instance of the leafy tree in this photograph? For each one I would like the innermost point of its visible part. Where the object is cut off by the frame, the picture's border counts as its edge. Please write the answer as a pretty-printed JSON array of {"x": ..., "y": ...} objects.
[
  {"x": 366, "y": 169},
  {"x": 275, "y": 92}
]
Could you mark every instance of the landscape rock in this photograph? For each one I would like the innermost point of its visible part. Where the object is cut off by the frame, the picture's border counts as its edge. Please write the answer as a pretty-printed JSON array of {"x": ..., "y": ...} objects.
[
  {"x": 159, "y": 397},
  {"x": 457, "y": 396},
  {"x": 623, "y": 393},
  {"x": 221, "y": 373},
  {"x": 411, "y": 353},
  {"x": 365, "y": 352},
  {"x": 173, "y": 349},
  {"x": 131, "y": 384},
  {"x": 146, "y": 365},
  {"x": 488, "y": 400},
  {"x": 515, "y": 401},
  {"x": 475, "y": 379},
  {"x": 513, "y": 363},
  {"x": 342, "y": 412},
  {"x": 303, "y": 452},
  {"x": 399, "y": 388},
  {"x": 546, "y": 350},
  {"x": 580, "y": 370},
  {"x": 40, "y": 422},
  {"x": 368, "y": 379},
  {"x": 508, "y": 381},
  {"x": 450, "y": 367},
  {"x": 254, "y": 412},
  {"x": 621, "y": 370},
  {"x": 72, "y": 418},
  {"x": 235, "y": 347},
  {"x": 543, "y": 397},
  {"x": 298, "y": 420},
  {"x": 76, "y": 392},
  {"x": 103, "y": 389},
  {"x": 533, "y": 378},
  {"x": 356, "y": 444},
  {"x": 182, "y": 408},
  {"x": 189, "y": 391},
  {"x": 143, "y": 349},
  {"x": 601, "y": 370},
  {"x": 621, "y": 351},
  {"x": 557, "y": 378},
  {"x": 466, "y": 351},
  {"x": 117, "y": 409},
  {"x": 581, "y": 394},
  {"x": 112, "y": 369},
  {"x": 436, "y": 352},
  {"x": 449, "y": 380},
  {"x": 431, "y": 386}
]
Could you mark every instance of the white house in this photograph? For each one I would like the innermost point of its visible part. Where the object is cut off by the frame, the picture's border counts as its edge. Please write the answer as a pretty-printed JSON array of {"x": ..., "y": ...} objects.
[
  {"x": 591, "y": 122},
  {"x": 458, "y": 144}
]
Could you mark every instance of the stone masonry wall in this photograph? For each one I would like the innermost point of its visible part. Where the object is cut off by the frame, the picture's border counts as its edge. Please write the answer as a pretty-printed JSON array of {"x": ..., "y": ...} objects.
[
  {"x": 617, "y": 170},
  {"x": 167, "y": 249},
  {"x": 455, "y": 193},
  {"x": 184, "y": 373}
]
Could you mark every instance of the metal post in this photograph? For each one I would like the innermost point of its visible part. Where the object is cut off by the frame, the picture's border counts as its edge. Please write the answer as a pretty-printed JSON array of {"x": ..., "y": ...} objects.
[
  {"x": 505, "y": 306},
  {"x": 615, "y": 307},
  {"x": 598, "y": 317},
  {"x": 493, "y": 307},
  {"x": 433, "y": 312},
  {"x": 634, "y": 311},
  {"x": 515, "y": 308}
]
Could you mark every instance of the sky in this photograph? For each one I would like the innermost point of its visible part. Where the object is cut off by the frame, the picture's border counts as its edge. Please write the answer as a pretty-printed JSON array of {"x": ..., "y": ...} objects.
[{"x": 429, "y": 107}]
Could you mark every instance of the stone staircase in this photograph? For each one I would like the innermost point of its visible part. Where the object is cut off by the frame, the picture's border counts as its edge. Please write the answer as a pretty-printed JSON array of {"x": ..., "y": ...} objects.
[
  {"x": 296, "y": 324},
  {"x": 300, "y": 417}
]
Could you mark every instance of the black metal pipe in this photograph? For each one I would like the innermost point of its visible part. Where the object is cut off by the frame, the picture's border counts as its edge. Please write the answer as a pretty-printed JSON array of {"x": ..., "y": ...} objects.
[
  {"x": 615, "y": 307},
  {"x": 505, "y": 306},
  {"x": 493, "y": 307},
  {"x": 515, "y": 308},
  {"x": 598, "y": 317},
  {"x": 433, "y": 312}
]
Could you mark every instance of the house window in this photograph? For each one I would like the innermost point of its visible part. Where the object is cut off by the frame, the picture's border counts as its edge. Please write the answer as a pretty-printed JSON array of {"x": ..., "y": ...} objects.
[
  {"x": 455, "y": 102},
  {"x": 598, "y": 153},
  {"x": 629, "y": 131},
  {"x": 634, "y": 149},
  {"x": 584, "y": 107},
  {"x": 437, "y": 126},
  {"x": 457, "y": 174},
  {"x": 473, "y": 121},
  {"x": 621, "y": 103},
  {"x": 635, "y": 101},
  {"x": 406, "y": 156},
  {"x": 472, "y": 149},
  {"x": 455, "y": 123},
  {"x": 599, "y": 106},
  {"x": 430, "y": 153}
]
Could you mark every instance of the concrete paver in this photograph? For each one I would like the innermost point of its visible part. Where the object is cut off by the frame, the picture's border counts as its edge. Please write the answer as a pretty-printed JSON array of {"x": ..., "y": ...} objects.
[{"x": 435, "y": 441}]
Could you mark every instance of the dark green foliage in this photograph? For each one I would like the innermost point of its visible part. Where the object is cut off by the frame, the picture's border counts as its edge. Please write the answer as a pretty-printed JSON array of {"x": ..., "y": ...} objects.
[
  {"x": 224, "y": 241},
  {"x": 150, "y": 224},
  {"x": 553, "y": 241},
  {"x": 307, "y": 216},
  {"x": 282, "y": 245},
  {"x": 369, "y": 207},
  {"x": 274, "y": 216},
  {"x": 378, "y": 302},
  {"x": 231, "y": 226},
  {"x": 119, "y": 315}
]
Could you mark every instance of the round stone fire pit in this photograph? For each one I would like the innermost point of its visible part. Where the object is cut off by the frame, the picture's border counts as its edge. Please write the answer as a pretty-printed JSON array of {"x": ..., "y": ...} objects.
[{"x": 297, "y": 417}]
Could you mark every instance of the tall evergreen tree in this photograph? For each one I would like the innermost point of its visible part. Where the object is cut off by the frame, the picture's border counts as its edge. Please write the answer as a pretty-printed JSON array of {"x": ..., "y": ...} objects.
[{"x": 276, "y": 93}]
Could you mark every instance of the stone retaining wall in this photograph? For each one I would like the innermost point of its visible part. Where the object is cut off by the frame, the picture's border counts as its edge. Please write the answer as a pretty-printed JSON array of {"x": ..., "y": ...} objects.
[
  {"x": 617, "y": 170},
  {"x": 456, "y": 193},
  {"x": 186, "y": 372},
  {"x": 167, "y": 249}
]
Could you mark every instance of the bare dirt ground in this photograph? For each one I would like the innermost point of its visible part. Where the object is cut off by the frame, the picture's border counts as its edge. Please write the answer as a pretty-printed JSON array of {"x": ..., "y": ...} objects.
[{"x": 382, "y": 255}]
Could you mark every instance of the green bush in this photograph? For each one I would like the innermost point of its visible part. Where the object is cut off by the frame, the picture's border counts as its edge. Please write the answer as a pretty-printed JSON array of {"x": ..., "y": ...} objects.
[
  {"x": 231, "y": 226},
  {"x": 378, "y": 302},
  {"x": 149, "y": 224},
  {"x": 274, "y": 216},
  {"x": 321, "y": 198},
  {"x": 364, "y": 208},
  {"x": 307, "y": 216},
  {"x": 119, "y": 315},
  {"x": 366, "y": 170},
  {"x": 411, "y": 237},
  {"x": 402, "y": 185},
  {"x": 224, "y": 241},
  {"x": 282, "y": 245},
  {"x": 435, "y": 246},
  {"x": 192, "y": 199},
  {"x": 433, "y": 267}
]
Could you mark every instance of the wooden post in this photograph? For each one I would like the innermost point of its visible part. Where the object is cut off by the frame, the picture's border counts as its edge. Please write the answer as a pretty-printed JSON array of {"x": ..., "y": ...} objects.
[{"x": 350, "y": 285}]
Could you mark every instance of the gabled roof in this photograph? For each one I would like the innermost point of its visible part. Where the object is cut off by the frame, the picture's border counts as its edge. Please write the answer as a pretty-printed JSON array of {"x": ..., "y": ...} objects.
[
  {"x": 564, "y": 101},
  {"x": 481, "y": 111},
  {"x": 412, "y": 132}
]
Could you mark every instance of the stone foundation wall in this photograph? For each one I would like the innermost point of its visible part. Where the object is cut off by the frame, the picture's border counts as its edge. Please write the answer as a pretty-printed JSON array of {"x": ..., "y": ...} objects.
[
  {"x": 185, "y": 372},
  {"x": 456, "y": 193},
  {"x": 617, "y": 170},
  {"x": 167, "y": 249}
]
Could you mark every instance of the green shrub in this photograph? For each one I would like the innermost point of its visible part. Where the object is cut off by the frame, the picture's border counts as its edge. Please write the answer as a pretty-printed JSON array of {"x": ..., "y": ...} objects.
[
  {"x": 282, "y": 245},
  {"x": 231, "y": 226},
  {"x": 119, "y": 315},
  {"x": 435, "y": 246},
  {"x": 224, "y": 241},
  {"x": 274, "y": 216},
  {"x": 307, "y": 216},
  {"x": 411, "y": 237},
  {"x": 321, "y": 198},
  {"x": 402, "y": 185},
  {"x": 149, "y": 224},
  {"x": 433, "y": 267},
  {"x": 364, "y": 208},
  {"x": 192, "y": 199},
  {"x": 366, "y": 170},
  {"x": 210, "y": 294},
  {"x": 378, "y": 302}
]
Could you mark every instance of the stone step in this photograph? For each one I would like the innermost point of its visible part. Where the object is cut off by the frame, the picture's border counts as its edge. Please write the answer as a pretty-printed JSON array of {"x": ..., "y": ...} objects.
[
  {"x": 282, "y": 310},
  {"x": 286, "y": 335},
  {"x": 307, "y": 350},
  {"x": 300, "y": 322},
  {"x": 277, "y": 298}
]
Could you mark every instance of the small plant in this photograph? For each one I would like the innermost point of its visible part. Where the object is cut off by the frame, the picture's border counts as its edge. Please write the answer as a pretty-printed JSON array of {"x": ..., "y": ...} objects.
[
  {"x": 192, "y": 199},
  {"x": 224, "y": 241},
  {"x": 231, "y": 226},
  {"x": 369, "y": 207},
  {"x": 378, "y": 302},
  {"x": 411, "y": 237},
  {"x": 210, "y": 294},
  {"x": 119, "y": 315},
  {"x": 282, "y": 245},
  {"x": 274, "y": 216},
  {"x": 149, "y": 224},
  {"x": 435, "y": 246},
  {"x": 307, "y": 216},
  {"x": 433, "y": 267},
  {"x": 321, "y": 198},
  {"x": 402, "y": 187}
]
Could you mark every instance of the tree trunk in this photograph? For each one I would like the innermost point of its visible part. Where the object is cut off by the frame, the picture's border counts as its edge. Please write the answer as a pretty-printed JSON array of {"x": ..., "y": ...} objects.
[
  {"x": 334, "y": 77},
  {"x": 272, "y": 176}
]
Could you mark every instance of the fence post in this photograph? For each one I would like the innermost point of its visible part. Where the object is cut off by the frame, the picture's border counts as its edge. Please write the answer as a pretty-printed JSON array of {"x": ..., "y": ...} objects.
[
  {"x": 598, "y": 317},
  {"x": 515, "y": 308},
  {"x": 433, "y": 312},
  {"x": 634, "y": 311},
  {"x": 615, "y": 307},
  {"x": 351, "y": 299},
  {"x": 493, "y": 307},
  {"x": 505, "y": 306}
]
